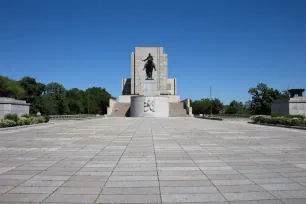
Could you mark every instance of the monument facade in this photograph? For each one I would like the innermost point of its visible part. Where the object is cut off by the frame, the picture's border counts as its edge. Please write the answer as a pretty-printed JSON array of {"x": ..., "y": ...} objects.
[{"x": 150, "y": 86}]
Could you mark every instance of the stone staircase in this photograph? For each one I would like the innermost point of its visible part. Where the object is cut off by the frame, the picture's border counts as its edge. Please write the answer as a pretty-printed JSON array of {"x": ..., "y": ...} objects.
[
  {"x": 175, "y": 110},
  {"x": 120, "y": 110}
]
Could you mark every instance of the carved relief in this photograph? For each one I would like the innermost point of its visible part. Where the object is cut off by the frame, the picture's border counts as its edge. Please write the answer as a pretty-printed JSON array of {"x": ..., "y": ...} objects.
[{"x": 149, "y": 105}]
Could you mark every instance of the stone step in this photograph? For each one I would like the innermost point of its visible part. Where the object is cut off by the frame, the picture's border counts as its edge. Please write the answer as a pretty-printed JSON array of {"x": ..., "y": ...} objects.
[{"x": 120, "y": 110}]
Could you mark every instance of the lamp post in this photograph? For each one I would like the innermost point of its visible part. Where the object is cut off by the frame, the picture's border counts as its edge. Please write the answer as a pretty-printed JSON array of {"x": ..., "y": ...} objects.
[
  {"x": 88, "y": 104},
  {"x": 210, "y": 101}
]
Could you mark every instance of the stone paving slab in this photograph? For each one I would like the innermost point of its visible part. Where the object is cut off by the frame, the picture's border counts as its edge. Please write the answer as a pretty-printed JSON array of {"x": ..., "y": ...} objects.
[{"x": 147, "y": 160}]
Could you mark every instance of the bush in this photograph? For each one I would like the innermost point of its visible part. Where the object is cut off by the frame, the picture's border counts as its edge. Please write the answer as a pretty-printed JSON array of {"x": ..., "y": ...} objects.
[
  {"x": 276, "y": 115},
  {"x": 33, "y": 120},
  {"x": 7, "y": 123},
  {"x": 261, "y": 118},
  {"x": 47, "y": 118},
  {"x": 288, "y": 116},
  {"x": 255, "y": 118},
  {"x": 23, "y": 121},
  {"x": 297, "y": 116},
  {"x": 296, "y": 122},
  {"x": 26, "y": 116},
  {"x": 40, "y": 119},
  {"x": 274, "y": 120},
  {"x": 266, "y": 119},
  {"x": 13, "y": 117},
  {"x": 284, "y": 121}
]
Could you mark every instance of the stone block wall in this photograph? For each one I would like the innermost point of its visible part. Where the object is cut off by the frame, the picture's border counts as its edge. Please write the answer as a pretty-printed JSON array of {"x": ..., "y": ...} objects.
[
  {"x": 171, "y": 83},
  {"x": 297, "y": 106},
  {"x": 280, "y": 107},
  {"x": 187, "y": 106},
  {"x": 126, "y": 86},
  {"x": 112, "y": 104},
  {"x": 13, "y": 106},
  {"x": 292, "y": 106}
]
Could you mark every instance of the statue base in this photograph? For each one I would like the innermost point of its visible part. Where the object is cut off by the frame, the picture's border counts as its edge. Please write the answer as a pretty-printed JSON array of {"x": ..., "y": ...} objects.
[
  {"x": 149, "y": 88},
  {"x": 149, "y": 106}
]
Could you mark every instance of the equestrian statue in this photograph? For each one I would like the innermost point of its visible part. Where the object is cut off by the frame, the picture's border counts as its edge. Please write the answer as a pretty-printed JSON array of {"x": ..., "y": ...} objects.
[{"x": 149, "y": 66}]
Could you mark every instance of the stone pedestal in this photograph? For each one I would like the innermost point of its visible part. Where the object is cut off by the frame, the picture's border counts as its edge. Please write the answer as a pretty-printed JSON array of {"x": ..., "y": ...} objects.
[
  {"x": 149, "y": 106},
  {"x": 149, "y": 88}
]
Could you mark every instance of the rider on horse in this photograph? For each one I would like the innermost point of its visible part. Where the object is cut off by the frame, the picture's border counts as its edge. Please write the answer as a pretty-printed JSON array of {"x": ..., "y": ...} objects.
[{"x": 149, "y": 65}]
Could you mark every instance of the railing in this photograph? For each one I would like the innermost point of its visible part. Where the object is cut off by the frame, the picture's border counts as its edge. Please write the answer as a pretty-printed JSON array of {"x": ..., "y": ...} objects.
[{"x": 74, "y": 117}]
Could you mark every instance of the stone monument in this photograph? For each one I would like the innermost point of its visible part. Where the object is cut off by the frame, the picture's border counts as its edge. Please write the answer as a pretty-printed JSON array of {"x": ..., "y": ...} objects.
[
  {"x": 295, "y": 105},
  {"x": 13, "y": 106},
  {"x": 149, "y": 92}
]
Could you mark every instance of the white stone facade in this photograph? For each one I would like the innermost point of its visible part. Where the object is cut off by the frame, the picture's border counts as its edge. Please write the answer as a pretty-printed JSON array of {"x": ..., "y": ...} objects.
[
  {"x": 13, "y": 106},
  {"x": 292, "y": 106},
  {"x": 134, "y": 84},
  {"x": 147, "y": 106}
]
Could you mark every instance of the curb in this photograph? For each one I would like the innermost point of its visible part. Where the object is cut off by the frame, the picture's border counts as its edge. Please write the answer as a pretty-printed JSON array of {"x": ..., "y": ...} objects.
[
  {"x": 283, "y": 126},
  {"x": 91, "y": 118},
  {"x": 210, "y": 118},
  {"x": 25, "y": 126}
]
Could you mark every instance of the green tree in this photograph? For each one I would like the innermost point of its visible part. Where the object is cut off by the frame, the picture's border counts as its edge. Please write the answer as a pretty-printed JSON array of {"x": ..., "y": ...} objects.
[
  {"x": 74, "y": 99},
  {"x": 47, "y": 105},
  {"x": 31, "y": 87},
  {"x": 58, "y": 98},
  {"x": 55, "y": 88},
  {"x": 205, "y": 106},
  {"x": 235, "y": 107},
  {"x": 53, "y": 98},
  {"x": 231, "y": 110},
  {"x": 33, "y": 91},
  {"x": 217, "y": 106},
  {"x": 10, "y": 88},
  {"x": 262, "y": 97},
  {"x": 97, "y": 100}
]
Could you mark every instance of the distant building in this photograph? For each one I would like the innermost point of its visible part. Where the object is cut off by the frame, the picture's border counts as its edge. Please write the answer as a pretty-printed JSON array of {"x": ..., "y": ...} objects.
[{"x": 295, "y": 105}]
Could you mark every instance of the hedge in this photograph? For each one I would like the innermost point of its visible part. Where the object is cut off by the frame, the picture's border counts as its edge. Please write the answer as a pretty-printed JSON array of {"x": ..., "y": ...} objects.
[
  {"x": 11, "y": 120},
  {"x": 282, "y": 120}
]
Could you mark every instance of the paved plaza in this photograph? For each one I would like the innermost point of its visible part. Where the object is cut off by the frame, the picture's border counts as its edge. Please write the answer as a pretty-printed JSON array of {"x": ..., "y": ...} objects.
[{"x": 138, "y": 160}]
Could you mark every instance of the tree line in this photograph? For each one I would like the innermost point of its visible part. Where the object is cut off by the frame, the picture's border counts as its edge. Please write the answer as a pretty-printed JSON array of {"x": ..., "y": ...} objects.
[
  {"x": 53, "y": 98},
  {"x": 262, "y": 97}
]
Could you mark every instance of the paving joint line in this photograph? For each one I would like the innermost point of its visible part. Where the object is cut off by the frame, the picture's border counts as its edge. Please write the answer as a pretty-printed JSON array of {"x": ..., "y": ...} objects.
[
  {"x": 160, "y": 194},
  {"x": 197, "y": 165},
  {"x": 79, "y": 168},
  {"x": 118, "y": 159},
  {"x": 234, "y": 169}
]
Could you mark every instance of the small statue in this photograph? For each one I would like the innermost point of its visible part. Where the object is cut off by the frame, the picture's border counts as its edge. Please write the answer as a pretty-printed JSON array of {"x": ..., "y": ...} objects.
[{"x": 149, "y": 66}]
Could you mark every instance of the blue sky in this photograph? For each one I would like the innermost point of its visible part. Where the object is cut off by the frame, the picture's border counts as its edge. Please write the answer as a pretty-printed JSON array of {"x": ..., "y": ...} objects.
[{"x": 230, "y": 45}]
